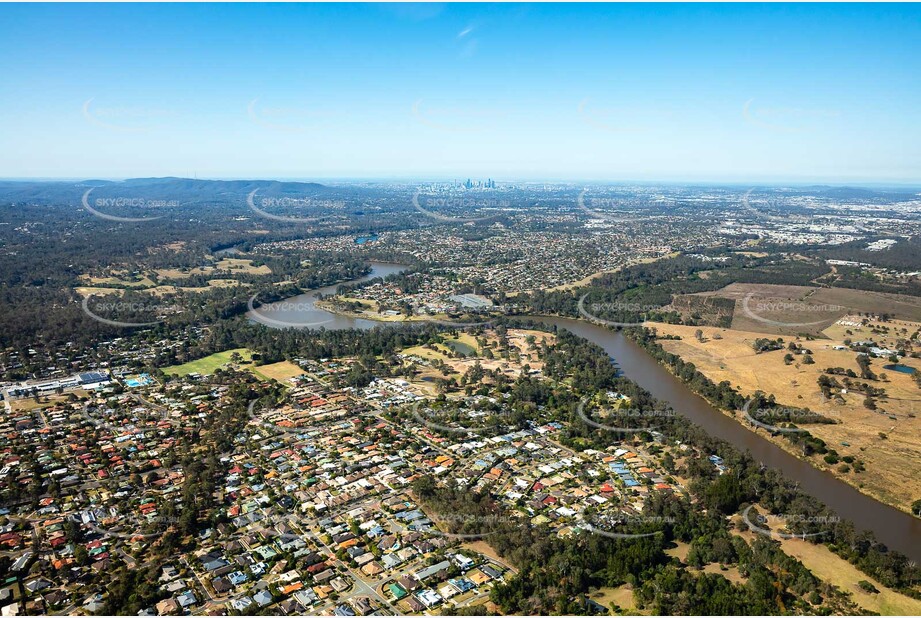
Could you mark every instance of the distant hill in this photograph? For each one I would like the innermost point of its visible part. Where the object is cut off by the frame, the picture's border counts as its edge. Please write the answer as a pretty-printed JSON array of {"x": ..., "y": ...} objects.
[
  {"x": 859, "y": 193},
  {"x": 170, "y": 188}
]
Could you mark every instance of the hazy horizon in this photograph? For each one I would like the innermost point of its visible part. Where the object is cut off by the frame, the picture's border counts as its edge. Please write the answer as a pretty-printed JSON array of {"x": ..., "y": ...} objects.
[
  {"x": 879, "y": 184},
  {"x": 615, "y": 93}
]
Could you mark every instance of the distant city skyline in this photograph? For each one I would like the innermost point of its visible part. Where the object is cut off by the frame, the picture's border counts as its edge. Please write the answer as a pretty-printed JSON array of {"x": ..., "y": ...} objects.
[{"x": 721, "y": 93}]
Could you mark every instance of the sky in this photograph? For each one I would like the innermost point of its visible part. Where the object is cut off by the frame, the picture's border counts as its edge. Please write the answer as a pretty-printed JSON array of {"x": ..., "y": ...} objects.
[{"x": 646, "y": 92}]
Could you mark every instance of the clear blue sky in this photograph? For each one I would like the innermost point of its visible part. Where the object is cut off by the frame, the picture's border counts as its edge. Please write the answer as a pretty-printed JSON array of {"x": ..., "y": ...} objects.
[{"x": 583, "y": 92}]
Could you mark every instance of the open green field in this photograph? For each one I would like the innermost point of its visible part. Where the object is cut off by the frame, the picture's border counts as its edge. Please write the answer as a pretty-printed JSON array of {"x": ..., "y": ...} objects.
[{"x": 209, "y": 364}]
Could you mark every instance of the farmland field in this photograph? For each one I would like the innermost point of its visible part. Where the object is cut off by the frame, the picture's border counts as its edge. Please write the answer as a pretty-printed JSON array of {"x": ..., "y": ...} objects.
[
  {"x": 888, "y": 460},
  {"x": 797, "y": 309}
]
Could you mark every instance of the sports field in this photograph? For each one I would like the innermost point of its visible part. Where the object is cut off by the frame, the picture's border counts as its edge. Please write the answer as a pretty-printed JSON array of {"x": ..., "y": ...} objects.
[{"x": 209, "y": 364}]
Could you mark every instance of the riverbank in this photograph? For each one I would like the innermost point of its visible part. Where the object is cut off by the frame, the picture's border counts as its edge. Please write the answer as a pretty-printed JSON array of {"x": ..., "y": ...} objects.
[
  {"x": 895, "y": 528},
  {"x": 370, "y": 313},
  {"x": 857, "y": 432}
]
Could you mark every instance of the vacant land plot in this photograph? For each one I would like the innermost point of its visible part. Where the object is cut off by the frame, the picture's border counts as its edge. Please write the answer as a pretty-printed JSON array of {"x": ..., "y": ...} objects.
[
  {"x": 860, "y": 301},
  {"x": 210, "y": 364},
  {"x": 90, "y": 291},
  {"x": 482, "y": 547},
  {"x": 233, "y": 265},
  {"x": 119, "y": 279},
  {"x": 243, "y": 266},
  {"x": 778, "y": 309},
  {"x": 278, "y": 371},
  {"x": 183, "y": 273},
  {"x": 729, "y": 572},
  {"x": 796, "y": 309},
  {"x": 889, "y": 460},
  {"x": 680, "y": 551},
  {"x": 621, "y": 596},
  {"x": 27, "y": 404}
]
